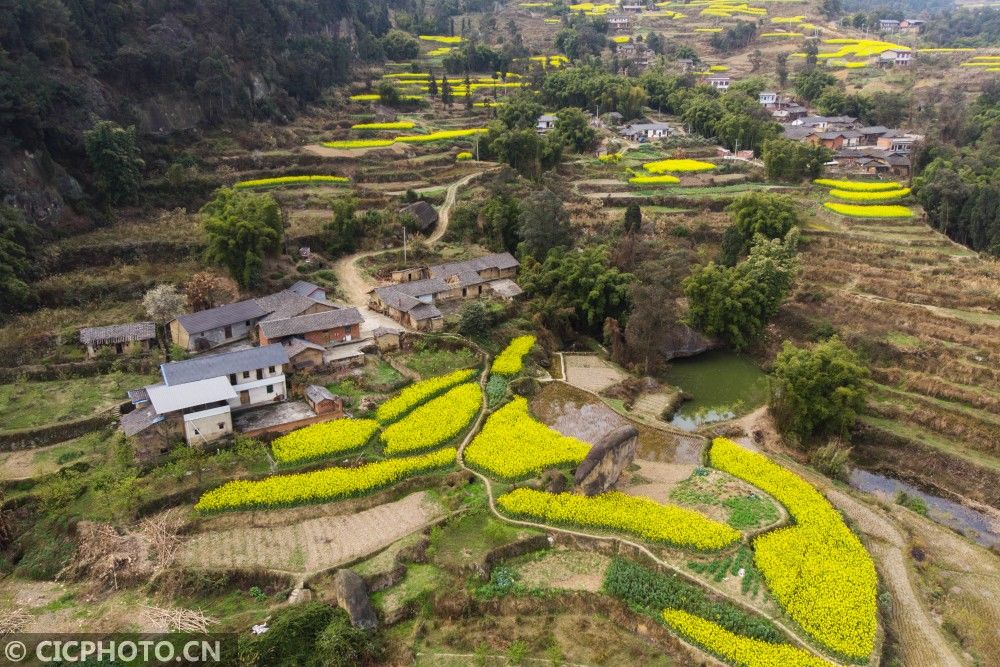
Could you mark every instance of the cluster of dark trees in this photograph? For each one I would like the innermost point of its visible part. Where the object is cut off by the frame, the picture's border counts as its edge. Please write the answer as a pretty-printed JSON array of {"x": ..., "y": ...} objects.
[
  {"x": 965, "y": 27},
  {"x": 957, "y": 177}
]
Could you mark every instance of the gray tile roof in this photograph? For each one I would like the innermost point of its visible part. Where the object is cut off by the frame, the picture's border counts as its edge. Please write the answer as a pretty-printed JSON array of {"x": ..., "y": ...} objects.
[
  {"x": 500, "y": 260},
  {"x": 221, "y": 316},
  {"x": 118, "y": 333},
  {"x": 297, "y": 346},
  {"x": 425, "y": 311},
  {"x": 284, "y": 304},
  {"x": 317, "y": 394},
  {"x": 797, "y": 133},
  {"x": 506, "y": 287},
  {"x": 139, "y": 420},
  {"x": 305, "y": 288},
  {"x": 215, "y": 365},
  {"x": 424, "y": 213},
  {"x": 302, "y": 324},
  {"x": 874, "y": 129}
]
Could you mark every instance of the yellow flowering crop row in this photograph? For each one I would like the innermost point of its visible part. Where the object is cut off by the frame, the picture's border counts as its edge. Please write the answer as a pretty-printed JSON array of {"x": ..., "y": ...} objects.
[
  {"x": 407, "y": 75},
  {"x": 397, "y": 125},
  {"x": 513, "y": 445},
  {"x": 718, "y": 68},
  {"x": 857, "y": 211},
  {"x": 654, "y": 180},
  {"x": 322, "y": 440},
  {"x": 292, "y": 180},
  {"x": 443, "y": 134},
  {"x": 442, "y": 39},
  {"x": 861, "y": 48},
  {"x": 881, "y": 195},
  {"x": 359, "y": 143},
  {"x": 366, "y": 97},
  {"x": 440, "y": 51},
  {"x": 858, "y": 186},
  {"x": 735, "y": 648},
  {"x": 682, "y": 165},
  {"x": 621, "y": 39},
  {"x": 464, "y": 155},
  {"x": 818, "y": 570},
  {"x": 434, "y": 423},
  {"x": 642, "y": 517},
  {"x": 419, "y": 393},
  {"x": 320, "y": 486},
  {"x": 511, "y": 360},
  {"x": 945, "y": 50},
  {"x": 788, "y": 19}
]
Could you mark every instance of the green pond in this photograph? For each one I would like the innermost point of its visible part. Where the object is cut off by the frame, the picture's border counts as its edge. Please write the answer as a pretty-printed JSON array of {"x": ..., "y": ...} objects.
[{"x": 722, "y": 385}]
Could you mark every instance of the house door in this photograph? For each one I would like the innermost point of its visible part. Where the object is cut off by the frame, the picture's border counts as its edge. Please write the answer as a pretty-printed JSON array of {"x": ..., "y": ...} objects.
[
  {"x": 229, "y": 332},
  {"x": 244, "y": 398}
]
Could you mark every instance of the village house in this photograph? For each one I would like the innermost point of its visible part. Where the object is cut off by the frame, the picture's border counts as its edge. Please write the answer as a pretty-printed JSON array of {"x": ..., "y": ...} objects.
[
  {"x": 205, "y": 329},
  {"x": 632, "y": 7},
  {"x": 826, "y": 123},
  {"x": 872, "y": 161},
  {"x": 897, "y": 141},
  {"x": 720, "y": 83},
  {"x": 342, "y": 325},
  {"x": 896, "y": 57},
  {"x": 424, "y": 214},
  {"x": 303, "y": 355},
  {"x": 545, "y": 123},
  {"x": 413, "y": 301},
  {"x": 619, "y": 22},
  {"x": 197, "y": 397},
  {"x": 911, "y": 25},
  {"x": 888, "y": 26},
  {"x": 323, "y": 402},
  {"x": 871, "y": 134},
  {"x": 645, "y": 131},
  {"x": 768, "y": 99},
  {"x": 686, "y": 65},
  {"x": 785, "y": 113},
  {"x": 133, "y": 338}
]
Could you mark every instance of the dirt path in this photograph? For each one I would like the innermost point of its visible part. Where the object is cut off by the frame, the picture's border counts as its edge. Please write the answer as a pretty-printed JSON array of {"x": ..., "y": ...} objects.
[
  {"x": 355, "y": 287},
  {"x": 313, "y": 545}
]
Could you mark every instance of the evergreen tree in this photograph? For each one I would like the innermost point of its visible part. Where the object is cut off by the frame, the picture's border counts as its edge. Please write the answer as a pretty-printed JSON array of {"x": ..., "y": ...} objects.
[{"x": 445, "y": 91}]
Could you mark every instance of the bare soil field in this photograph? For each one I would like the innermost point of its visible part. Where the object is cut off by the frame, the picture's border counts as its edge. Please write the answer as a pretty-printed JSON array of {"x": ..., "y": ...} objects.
[
  {"x": 314, "y": 544},
  {"x": 591, "y": 372}
]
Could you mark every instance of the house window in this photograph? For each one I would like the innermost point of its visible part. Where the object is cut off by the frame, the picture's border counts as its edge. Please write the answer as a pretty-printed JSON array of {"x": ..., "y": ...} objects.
[
  {"x": 270, "y": 388},
  {"x": 232, "y": 378},
  {"x": 222, "y": 426},
  {"x": 246, "y": 374},
  {"x": 260, "y": 373},
  {"x": 270, "y": 369},
  {"x": 197, "y": 432}
]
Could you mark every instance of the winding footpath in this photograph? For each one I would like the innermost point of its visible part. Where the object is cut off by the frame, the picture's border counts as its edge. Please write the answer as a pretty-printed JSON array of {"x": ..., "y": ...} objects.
[{"x": 352, "y": 282}]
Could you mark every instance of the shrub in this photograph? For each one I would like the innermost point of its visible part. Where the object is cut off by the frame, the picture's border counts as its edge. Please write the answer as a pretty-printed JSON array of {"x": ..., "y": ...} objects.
[
  {"x": 291, "y": 634},
  {"x": 511, "y": 360},
  {"x": 320, "y": 486},
  {"x": 322, "y": 440},
  {"x": 666, "y": 524},
  {"x": 418, "y": 393},
  {"x": 736, "y": 648},
  {"x": 653, "y": 592},
  {"x": 817, "y": 570},
  {"x": 513, "y": 445},
  {"x": 435, "y": 422}
]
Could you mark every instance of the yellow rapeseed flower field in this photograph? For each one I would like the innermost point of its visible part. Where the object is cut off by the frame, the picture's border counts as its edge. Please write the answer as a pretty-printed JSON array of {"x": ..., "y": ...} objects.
[
  {"x": 881, "y": 195},
  {"x": 322, "y": 440},
  {"x": 681, "y": 165},
  {"x": 434, "y": 423},
  {"x": 397, "y": 125},
  {"x": 511, "y": 360},
  {"x": 642, "y": 517},
  {"x": 513, "y": 444},
  {"x": 661, "y": 179},
  {"x": 320, "y": 486},
  {"x": 858, "y": 186},
  {"x": 736, "y": 648},
  {"x": 419, "y": 393},
  {"x": 291, "y": 180},
  {"x": 856, "y": 211},
  {"x": 818, "y": 570}
]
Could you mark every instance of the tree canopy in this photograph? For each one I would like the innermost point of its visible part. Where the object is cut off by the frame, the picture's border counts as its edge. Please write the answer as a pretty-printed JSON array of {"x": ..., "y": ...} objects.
[
  {"x": 114, "y": 154},
  {"x": 242, "y": 227}
]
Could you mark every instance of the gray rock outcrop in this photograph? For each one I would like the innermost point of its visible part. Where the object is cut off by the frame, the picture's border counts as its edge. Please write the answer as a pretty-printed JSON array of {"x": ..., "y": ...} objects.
[
  {"x": 352, "y": 597},
  {"x": 680, "y": 341},
  {"x": 607, "y": 459}
]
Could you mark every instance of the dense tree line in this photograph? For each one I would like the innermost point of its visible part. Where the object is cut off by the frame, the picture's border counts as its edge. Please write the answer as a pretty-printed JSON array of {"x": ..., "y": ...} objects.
[
  {"x": 965, "y": 27},
  {"x": 958, "y": 175}
]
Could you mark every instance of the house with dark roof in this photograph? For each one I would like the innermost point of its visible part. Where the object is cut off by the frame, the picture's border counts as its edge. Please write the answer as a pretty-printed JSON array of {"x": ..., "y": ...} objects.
[
  {"x": 332, "y": 326},
  {"x": 414, "y": 302},
  {"x": 302, "y": 354},
  {"x": 230, "y": 322},
  {"x": 197, "y": 397},
  {"x": 132, "y": 338},
  {"x": 423, "y": 213},
  {"x": 645, "y": 131}
]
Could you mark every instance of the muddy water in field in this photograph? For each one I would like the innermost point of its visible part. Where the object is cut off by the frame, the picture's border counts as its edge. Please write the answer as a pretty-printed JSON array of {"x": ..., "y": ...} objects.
[
  {"x": 976, "y": 525},
  {"x": 722, "y": 384}
]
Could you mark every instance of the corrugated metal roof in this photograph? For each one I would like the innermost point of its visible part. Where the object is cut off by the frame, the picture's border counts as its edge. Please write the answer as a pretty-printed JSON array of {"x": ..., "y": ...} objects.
[
  {"x": 221, "y": 316},
  {"x": 216, "y": 365},
  {"x": 302, "y": 324},
  {"x": 118, "y": 333},
  {"x": 172, "y": 398}
]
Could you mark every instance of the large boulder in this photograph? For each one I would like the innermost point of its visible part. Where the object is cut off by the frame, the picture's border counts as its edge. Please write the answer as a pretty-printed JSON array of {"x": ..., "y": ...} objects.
[
  {"x": 352, "y": 597},
  {"x": 606, "y": 460},
  {"x": 680, "y": 340}
]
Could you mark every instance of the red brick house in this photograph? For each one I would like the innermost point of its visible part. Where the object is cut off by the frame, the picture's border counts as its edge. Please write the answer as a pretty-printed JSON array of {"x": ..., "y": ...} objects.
[{"x": 335, "y": 326}]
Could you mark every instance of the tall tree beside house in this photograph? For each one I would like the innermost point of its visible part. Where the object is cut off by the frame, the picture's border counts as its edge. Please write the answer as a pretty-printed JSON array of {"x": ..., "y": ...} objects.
[
  {"x": 114, "y": 153},
  {"x": 342, "y": 234},
  {"x": 163, "y": 303},
  {"x": 242, "y": 227},
  {"x": 574, "y": 130},
  {"x": 544, "y": 224},
  {"x": 794, "y": 161},
  {"x": 206, "y": 290}
]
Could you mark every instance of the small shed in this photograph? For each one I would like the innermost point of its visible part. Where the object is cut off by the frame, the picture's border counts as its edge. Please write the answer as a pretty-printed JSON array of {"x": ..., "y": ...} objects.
[
  {"x": 423, "y": 213},
  {"x": 304, "y": 354},
  {"x": 322, "y": 401},
  {"x": 122, "y": 338},
  {"x": 387, "y": 339}
]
